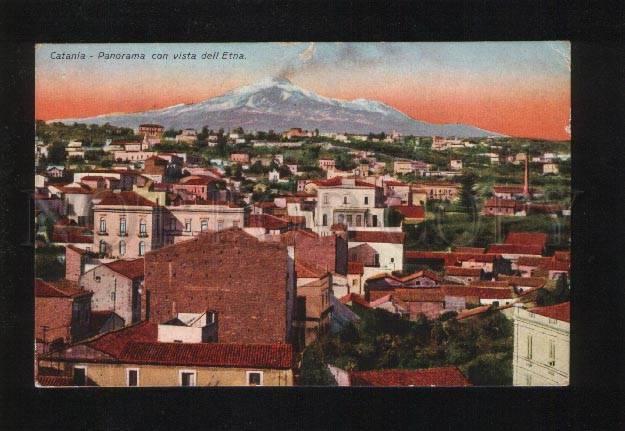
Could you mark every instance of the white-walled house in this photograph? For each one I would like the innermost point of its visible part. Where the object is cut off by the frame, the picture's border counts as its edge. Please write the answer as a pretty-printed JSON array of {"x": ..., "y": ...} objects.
[
  {"x": 541, "y": 345},
  {"x": 379, "y": 250}
]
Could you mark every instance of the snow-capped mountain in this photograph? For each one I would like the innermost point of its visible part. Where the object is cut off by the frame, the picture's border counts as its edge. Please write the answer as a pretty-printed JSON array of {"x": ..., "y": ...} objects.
[{"x": 277, "y": 104}]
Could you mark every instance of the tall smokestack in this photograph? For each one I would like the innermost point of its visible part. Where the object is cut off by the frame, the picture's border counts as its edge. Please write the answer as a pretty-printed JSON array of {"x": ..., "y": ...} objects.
[{"x": 526, "y": 186}]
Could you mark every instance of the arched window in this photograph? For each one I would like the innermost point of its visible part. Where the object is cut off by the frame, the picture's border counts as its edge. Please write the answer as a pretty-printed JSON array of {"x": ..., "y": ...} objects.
[
  {"x": 143, "y": 228},
  {"x": 122, "y": 225},
  {"x": 325, "y": 220},
  {"x": 345, "y": 200},
  {"x": 141, "y": 248},
  {"x": 102, "y": 247},
  {"x": 122, "y": 248},
  {"x": 102, "y": 225}
]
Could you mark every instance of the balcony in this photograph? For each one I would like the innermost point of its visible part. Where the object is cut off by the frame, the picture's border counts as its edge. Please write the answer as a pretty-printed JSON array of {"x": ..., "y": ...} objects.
[
  {"x": 103, "y": 233},
  {"x": 143, "y": 234},
  {"x": 122, "y": 234}
]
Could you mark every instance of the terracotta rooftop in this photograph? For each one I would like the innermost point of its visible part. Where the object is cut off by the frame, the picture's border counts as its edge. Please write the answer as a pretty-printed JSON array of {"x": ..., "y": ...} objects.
[
  {"x": 423, "y": 273},
  {"x": 459, "y": 271},
  {"x": 412, "y": 211},
  {"x": 131, "y": 269},
  {"x": 527, "y": 238},
  {"x": 308, "y": 270},
  {"x": 478, "y": 250},
  {"x": 442, "y": 376},
  {"x": 392, "y": 183},
  {"x": 72, "y": 234},
  {"x": 354, "y": 298},
  {"x": 355, "y": 267},
  {"x": 528, "y": 249},
  {"x": 420, "y": 295},
  {"x": 209, "y": 354},
  {"x": 523, "y": 281},
  {"x": 266, "y": 221},
  {"x": 559, "y": 311},
  {"x": 376, "y": 236},
  {"x": 125, "y": 199},
  {"x": 501, "y": 203},
  {"x": 58, "y": 289},
  {"x": 55, "y": 381}
]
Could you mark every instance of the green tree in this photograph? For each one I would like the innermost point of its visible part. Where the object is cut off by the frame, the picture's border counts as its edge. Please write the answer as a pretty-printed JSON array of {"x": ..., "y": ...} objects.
[
  {"x": 467, "y": 192},
  {"x": 314, "y": 371},
  {"x": 56, "y": 153}
]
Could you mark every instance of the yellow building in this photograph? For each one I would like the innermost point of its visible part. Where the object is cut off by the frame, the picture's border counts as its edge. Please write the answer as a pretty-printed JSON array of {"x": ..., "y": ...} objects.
[
  {"x": 541, "y": 345},
  {"x": 133, "y": 356}
]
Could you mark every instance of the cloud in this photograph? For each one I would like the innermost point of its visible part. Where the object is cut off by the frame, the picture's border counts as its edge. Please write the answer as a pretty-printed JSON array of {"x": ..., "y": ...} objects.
[{"x": 308, "y": 53}]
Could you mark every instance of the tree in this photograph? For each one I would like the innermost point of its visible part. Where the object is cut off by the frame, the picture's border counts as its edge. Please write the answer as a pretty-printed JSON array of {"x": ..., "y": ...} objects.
[
  {"x": 56, "y": 153},
  {"x": 314, "y": 371},
  {"x": 467, "y": 192}
]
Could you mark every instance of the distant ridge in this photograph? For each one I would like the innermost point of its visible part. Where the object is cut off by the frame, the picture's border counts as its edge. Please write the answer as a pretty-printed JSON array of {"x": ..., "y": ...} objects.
[{"x": 277, "y": 104}]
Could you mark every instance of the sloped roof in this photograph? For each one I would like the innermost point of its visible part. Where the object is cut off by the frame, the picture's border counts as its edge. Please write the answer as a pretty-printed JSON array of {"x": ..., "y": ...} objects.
[
  {"x": 411, "y": 211},
  {"x": 459, "y": 271},
  {"x": 376, "y": 236},
  {"x": 308, "y": 270},
  {"x": 355, "y": 267},
  {"x": 266, "y": 221},
  {"x": 356, "y": 299},
  {"x": 58, "y": 289},
  {"x": 559, "y": 311},
  {"x": 528, "y": 249},
  {"x": 441, "y": 376},
  {"x": 278, "y": 355},
  {"x": 131, "y": 269},
  {"x": 125, "y": 199},
  {"x": 527, "y": 238}
]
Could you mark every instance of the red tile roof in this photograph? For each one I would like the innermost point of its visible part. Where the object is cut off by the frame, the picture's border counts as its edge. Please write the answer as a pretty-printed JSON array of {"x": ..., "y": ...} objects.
[
  {"x": 564, "y": 256},
  {"x": 501, "y": 203},
  {"x": 376, "y": 236},
  {"x": 113, "y": 343},
  {"x": 394, "y": 183},
  {"x": 412, "y": 211},
  {"x": 527, "y": 238},
  {"x": 559, "y": 311},
  {"x": 477, "y": 257},
  {"x": 528, "y": 249},
  {"x": 442, "y": 376},
  {"x": 423, "y": 273},
  {"x": 478, "y": 250},
  {"x": 508, "y": 189},
  {"x": 275, "y": 356},
  {"x": 523, "y": 281},
  {"x": 420, "y": 295},
  {"x": 71, "y": 234},
  {"x": 488, "y": 283},
  {"x": 355, "y": 267},
  {"x": 58, "y": 289},
  {"x": 308, "y": 270},
  {"x": 459, "y": 271},
  {"x": 125, "y": 199},
  {"x": 354, "y": 298},
  {"x": 131, "y": 269},
  {"x": 266, "y": 221},
  {"x": 533, "y": 261}
]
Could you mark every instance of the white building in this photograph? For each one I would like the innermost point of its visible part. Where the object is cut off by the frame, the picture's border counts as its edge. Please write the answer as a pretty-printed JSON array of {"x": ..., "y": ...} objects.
[
  {"x": 541, "y": 345},
  {"x": 347, "y": 201}
]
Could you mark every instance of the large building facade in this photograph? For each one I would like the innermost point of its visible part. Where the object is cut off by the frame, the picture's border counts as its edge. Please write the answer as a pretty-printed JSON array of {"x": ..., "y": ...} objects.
[{"x": 541, "y": 346}]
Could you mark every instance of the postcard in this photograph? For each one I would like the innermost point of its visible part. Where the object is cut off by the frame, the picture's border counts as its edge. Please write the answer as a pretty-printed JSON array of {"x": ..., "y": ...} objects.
[{"x": 302, "y": 214}]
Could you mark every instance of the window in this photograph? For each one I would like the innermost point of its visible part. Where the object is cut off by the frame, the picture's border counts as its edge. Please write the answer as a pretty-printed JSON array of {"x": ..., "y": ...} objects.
[
  {"x": 204, "y": 225},
  {"x": 187, "y": 377},
  {"x": 235, "y": 223},
  {"x": 359, "y": 220},
  {"x": 80, "y": 376},
  {"x": 102, "y": 247},
  {"x": 141, "y": 248},
  {"x": 325, "y": 199},
  {"x": 132, "y": 377},
  {"x": 102, "y": 225},
  {"x": 122, "y": 225},
  {"x": 172, "y": 224},
  {"x": 341, "y": 218},
  {"x": 220, "y": 225},
  {"x": 344, "y": 200},
  {"x": 552, "y": 353},
  {"x": 324, "y": 220},
  {"x": 366, "y": 200},
  {"x": 143, "y": 227},
  {"x": 122, "y": 248},
  {"x": 529, "y": 346},
  {"x": 349, "y": 220},
  {"x": 374, "y": 220},
  {"x": 187, "y": 225},
  {"x": 254, "y": 378}
]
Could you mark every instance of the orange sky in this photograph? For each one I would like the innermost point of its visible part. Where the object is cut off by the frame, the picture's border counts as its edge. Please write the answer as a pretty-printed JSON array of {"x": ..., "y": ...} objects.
[{"x": 504, "y": 96}]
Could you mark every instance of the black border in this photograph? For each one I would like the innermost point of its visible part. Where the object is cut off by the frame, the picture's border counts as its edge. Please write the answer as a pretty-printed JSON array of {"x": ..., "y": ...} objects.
[{"x": 598, "y": 365}]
